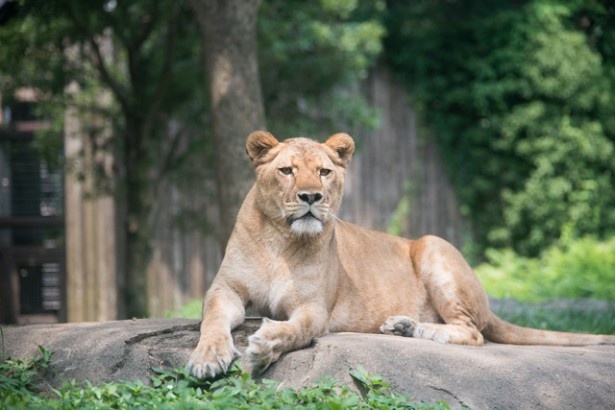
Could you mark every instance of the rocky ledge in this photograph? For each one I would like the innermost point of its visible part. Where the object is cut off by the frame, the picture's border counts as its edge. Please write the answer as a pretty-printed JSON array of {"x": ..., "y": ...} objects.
[{"x": 492, "y": 376}]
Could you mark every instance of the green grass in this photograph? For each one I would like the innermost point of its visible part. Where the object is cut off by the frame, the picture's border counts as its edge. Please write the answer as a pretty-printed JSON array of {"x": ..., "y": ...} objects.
[
  {"x": 177, "y": 389},
  {"x": 191, "y": 310},
  {"x": 568, "y": 316}
]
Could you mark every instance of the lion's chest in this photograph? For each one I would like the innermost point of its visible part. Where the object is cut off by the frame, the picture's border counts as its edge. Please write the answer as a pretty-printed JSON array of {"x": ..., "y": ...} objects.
[{"x": 280, "y": 287}]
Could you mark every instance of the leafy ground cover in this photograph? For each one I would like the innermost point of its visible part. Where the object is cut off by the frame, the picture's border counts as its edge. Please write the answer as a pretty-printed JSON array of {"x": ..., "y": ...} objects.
[{"x": 20, "y": 388}]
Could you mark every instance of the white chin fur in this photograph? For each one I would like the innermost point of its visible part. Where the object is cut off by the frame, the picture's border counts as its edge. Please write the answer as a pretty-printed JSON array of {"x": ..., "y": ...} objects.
[{"x": 307, "y": 226}]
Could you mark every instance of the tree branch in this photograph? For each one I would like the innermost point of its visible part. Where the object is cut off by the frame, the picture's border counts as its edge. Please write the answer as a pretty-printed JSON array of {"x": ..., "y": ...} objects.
[
  {"x": 99, "y": 61},
  {"x": 165, "y": 73}
]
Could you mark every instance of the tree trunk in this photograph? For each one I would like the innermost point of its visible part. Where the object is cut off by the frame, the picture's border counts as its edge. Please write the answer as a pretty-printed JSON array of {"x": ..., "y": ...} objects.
[
  {"x": 137, "y": 207},
  {"x": 228, "y": 28}
]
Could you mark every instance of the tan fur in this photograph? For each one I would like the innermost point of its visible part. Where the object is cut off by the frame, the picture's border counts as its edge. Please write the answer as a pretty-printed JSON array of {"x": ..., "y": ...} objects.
[{"x": 317, "y": 274}]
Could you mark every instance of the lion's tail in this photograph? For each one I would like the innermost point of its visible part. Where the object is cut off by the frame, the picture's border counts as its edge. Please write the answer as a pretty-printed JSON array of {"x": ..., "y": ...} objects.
[{"x": 500, "y": 331}]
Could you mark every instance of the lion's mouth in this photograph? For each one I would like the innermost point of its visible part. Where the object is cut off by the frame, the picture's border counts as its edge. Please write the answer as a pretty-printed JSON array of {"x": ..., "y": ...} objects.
[
  {"x": 306, "y": 216},
  {"x": 307, "y": 224}
]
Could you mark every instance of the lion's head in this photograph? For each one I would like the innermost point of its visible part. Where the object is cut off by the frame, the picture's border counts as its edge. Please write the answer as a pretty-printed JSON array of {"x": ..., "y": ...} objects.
[{"x": 299, "y": 181}]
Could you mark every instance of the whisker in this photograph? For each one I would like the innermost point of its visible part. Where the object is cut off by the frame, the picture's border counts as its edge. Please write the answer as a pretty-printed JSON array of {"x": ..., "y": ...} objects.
[{"x": 334, "y": 216}]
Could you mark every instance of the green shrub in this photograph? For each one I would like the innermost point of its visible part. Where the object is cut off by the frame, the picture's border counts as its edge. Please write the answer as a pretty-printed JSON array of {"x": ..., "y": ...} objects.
[
  {"x": 583, "y": 268},
  {"x": 519, "y": 96}
]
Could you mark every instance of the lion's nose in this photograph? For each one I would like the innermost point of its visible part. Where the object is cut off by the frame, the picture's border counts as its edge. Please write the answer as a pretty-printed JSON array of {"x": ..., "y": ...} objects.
[{"x": 310, "y": 197}]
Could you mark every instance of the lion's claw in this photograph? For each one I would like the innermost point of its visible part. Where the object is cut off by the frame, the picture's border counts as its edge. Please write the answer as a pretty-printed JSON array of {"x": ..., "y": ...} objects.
[{"x": 212, "y": 357}]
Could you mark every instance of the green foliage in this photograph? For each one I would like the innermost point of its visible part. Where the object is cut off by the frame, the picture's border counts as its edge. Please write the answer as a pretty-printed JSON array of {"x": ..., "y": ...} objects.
[
  {"x": 178, "y": 389},
  {"x": 520, "y": 95},
  {"x": 377, "y": 394},
  {"x": 569, "y": 193},
  {"x": 310, "y": 57},
  {"x": 131, "y": 72},
  {"x": 583, "y": 268},
  {"x": 18, "y": 380}
]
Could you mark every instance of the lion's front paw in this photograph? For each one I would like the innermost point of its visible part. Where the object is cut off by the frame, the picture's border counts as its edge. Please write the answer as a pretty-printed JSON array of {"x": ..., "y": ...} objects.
[
  {"x": 259, "y": 354},
  {"x": 399, "y": 326},
  {"x": 212, "y": 356}
]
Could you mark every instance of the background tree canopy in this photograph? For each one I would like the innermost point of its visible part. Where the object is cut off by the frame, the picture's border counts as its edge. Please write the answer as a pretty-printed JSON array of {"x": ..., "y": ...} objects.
[
  {"x": 312, "y": 56},
  {"x": 520, "y": 95}
]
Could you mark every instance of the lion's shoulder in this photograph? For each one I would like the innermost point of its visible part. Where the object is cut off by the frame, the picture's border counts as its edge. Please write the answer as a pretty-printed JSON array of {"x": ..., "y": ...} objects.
[{"x": 363, "y": 243}]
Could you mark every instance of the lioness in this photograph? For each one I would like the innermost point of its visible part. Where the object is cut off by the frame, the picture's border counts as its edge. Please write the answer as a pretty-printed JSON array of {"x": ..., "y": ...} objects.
[{"x": 311, "y": 273}]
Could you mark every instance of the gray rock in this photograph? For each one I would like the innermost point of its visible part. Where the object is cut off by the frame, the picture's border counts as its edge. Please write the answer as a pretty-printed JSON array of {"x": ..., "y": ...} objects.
[{"x": 493, "y": 376}]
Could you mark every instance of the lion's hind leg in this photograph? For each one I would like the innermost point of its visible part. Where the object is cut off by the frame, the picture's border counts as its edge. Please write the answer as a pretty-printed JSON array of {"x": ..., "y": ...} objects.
[
  {"x": 463, "y": 333},
  {"x": 454, "y": 295}
]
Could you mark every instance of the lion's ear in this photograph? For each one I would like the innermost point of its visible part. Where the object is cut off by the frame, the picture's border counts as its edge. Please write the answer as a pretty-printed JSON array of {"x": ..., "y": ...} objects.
[
  {"x": 258, "y": 144},
  {"x": 343, "y": 144}
]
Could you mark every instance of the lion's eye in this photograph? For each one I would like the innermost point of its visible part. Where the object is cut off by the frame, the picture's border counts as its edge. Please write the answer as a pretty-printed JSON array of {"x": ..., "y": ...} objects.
[
  {"x": 324, "y": 172},
  {"x": 286, "y": 170}
]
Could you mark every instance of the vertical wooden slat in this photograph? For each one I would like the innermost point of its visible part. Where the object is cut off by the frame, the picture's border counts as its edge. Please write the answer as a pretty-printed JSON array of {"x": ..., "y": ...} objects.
[
  {"x": 92, "y": 293},
  {"x": 107, "y": 259},
  {"x": 74, "y": 234}
]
